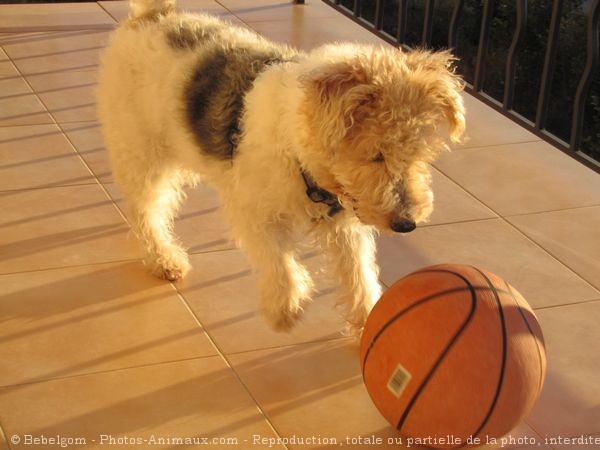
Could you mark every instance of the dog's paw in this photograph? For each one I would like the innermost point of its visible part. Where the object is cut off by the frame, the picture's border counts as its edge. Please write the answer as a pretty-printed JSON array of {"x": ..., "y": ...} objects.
[
  {"x": 283, "y": 319},
  {"x": 283, "y": 298},
  {"x": 353, "y": 330},
  {"x": 172, "y": 269},
  {"x": 356, "y": 318}
]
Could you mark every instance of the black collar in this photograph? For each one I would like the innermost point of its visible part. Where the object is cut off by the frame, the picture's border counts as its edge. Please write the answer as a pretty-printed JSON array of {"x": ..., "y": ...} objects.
[{"x": 319, "y": 195}]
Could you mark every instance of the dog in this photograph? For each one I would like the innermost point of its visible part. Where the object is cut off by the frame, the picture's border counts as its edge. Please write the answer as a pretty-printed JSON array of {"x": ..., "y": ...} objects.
[{"x": 333, "y": 144}]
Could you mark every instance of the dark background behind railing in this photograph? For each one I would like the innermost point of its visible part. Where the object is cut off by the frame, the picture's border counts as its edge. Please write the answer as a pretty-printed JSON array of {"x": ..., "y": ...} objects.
[{"x": 535, "y": 60}]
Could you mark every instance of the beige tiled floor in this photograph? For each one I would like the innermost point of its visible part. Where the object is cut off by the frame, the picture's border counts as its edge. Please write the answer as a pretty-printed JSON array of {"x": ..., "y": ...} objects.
[{"x": 91, "y": 345}]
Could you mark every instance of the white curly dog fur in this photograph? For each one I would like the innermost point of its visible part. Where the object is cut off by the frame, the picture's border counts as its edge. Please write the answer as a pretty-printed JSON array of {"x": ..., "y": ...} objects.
[{"x": 186, "y": 98}]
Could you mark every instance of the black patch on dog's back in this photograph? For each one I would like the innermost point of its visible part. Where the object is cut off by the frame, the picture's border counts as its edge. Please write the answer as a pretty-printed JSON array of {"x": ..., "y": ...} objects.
[{"x": 215, "y": 96}]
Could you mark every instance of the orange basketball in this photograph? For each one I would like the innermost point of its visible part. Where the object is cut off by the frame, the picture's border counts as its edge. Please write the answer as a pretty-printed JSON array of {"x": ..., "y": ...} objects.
[{"x": 452, "y": 353}]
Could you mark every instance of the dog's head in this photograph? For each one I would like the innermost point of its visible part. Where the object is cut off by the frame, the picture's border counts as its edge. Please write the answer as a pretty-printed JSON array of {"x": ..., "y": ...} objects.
[{"x": 376, "y": 118}]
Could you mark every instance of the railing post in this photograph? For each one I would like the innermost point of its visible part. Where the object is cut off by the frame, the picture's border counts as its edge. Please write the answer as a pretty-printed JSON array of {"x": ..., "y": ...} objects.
[
  {"x": 401, "y": 30},
  {"x": 378, "y": 15},
  {"x": 486, "y": 18},
  {"x": 591, "y": 67},
  {"x": 427, "y": 23},
  {"x": 509, "y": 78},
  {"x": 453, "y": 29},
  {"x": 548, "y": 70}
]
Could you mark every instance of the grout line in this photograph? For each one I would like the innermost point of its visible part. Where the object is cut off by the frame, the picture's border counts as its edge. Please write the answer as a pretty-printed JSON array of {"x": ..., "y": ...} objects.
[
  {"x": 109, "y": 14},
  {"x": 472, "y": 196},
  {"x": 341, "y": 337},
  {"x": 466, "y": 146},
  {"x": 514, "y": 228},
  {"x": 536, "y": 432},
  {"x": 549, "y": 253},
  {"x": 116, "y": 261},
  {"x": 102, "y": 372},
  {"x": 250, "y": 22},
  {"x": 74, "y": 266},
  {"x": 3, "y": 436},
  {"x": 562, "y": 305},
  {"x": 237, "y": 17},
  {"x": 537, "y": 213},
  {"x": 106, "y": 193},
  {"x": 56, "y": 28},
  {"x": 226, "y": 360},
  {"x": 29, "y": 124},
  {"x": 34, "y": 188},
  {"x": 458, "y": 222},
  {"x": 217, "y": 250}
]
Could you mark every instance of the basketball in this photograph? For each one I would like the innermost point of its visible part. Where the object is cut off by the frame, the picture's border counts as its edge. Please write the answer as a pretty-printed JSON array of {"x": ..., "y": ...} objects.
[{"x": 452, "y": 355}]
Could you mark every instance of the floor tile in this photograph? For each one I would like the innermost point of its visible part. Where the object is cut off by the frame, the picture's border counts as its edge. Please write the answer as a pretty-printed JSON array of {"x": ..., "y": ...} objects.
[
  {"x": 570, "y": 401},
  {"x": 221, "y": 289},
  {"x": 492, "y": 245},
  {"x": 307, "y": 35},
  {"x": 36, "y": 156},
  {"x": 486, "y": 126},
  {"x": 571, "y": 235},
  {"x": 200, "y": 225},
  {"x": 522, "y": 178},
  {"x": 119, "y": 9},
  {"x": 87, "y": 139},
  {"x": 55, "y": 51},
  {"x": 317, "y": 390},
  {"x": 454, "y": 204},
  {"x": 313, "y": 390},
  {"x": 63, "y": 226},
  {"x": 197, "y": 398},
  {"x": 69, "y": 96},
  {"x": 269, "y": 10},
  {"x": 18, "y": 104},
  {"x": 53, "y": 16},
  {"x": 121, "y": 315}
]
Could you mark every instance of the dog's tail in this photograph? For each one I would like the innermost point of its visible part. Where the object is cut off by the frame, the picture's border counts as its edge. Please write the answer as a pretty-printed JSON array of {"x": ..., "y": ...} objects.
[{"x": 149, "y": 8}]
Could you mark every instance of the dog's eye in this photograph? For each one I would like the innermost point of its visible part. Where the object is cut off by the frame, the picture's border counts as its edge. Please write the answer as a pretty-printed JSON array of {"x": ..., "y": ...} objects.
[{"x": 379, "y": 158}]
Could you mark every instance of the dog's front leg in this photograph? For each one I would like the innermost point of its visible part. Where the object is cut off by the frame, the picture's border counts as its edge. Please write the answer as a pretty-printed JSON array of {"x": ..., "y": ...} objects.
[
  {"x": 284, "y": 284},
  {"x": 351, "y": 249}
]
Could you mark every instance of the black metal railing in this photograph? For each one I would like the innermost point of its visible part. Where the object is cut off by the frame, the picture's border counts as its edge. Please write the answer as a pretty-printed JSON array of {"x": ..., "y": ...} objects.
[{"x": 536, "y": 61}]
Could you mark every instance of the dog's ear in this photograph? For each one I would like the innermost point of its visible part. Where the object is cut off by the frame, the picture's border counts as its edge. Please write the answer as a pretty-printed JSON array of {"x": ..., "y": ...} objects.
[
  {"x": 453, "y": 106},
  {"x": 343, "y": 91},
  {"x": 437, "y": 70}
]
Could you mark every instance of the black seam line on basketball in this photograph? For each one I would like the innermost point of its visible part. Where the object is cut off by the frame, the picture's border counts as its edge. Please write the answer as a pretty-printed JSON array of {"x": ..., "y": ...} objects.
[
  {"x": 504, "y": 354},
  {"x": 537, "y": 344},
  {"x": 420, "y": 302},
  {"x": 426, "y": 299},
  {"x": 363, "y": 362},
  {"x": 404, "y": 311},
  {"x": 442, "y": 356}
]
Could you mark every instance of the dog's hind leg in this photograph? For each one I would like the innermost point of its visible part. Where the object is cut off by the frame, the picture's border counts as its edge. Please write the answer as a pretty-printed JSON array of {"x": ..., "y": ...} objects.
[{"x": 153, "y": 205}]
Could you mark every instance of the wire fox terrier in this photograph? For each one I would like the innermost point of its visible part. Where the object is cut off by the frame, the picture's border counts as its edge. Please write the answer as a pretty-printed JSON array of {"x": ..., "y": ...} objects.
[{"x": 333, "y": 144}]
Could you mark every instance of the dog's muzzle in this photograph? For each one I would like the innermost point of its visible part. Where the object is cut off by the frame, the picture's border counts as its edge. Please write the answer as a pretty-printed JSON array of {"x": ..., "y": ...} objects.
[{"x": 402, "y": 225}]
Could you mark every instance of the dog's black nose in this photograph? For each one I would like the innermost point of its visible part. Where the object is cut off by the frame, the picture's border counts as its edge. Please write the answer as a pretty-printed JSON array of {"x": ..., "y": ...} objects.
[{"x": 403, "y": 225}]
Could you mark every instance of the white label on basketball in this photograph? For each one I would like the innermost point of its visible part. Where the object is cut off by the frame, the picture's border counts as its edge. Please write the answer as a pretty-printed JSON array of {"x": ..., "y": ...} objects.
[{"x": 399, "y": 380}]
